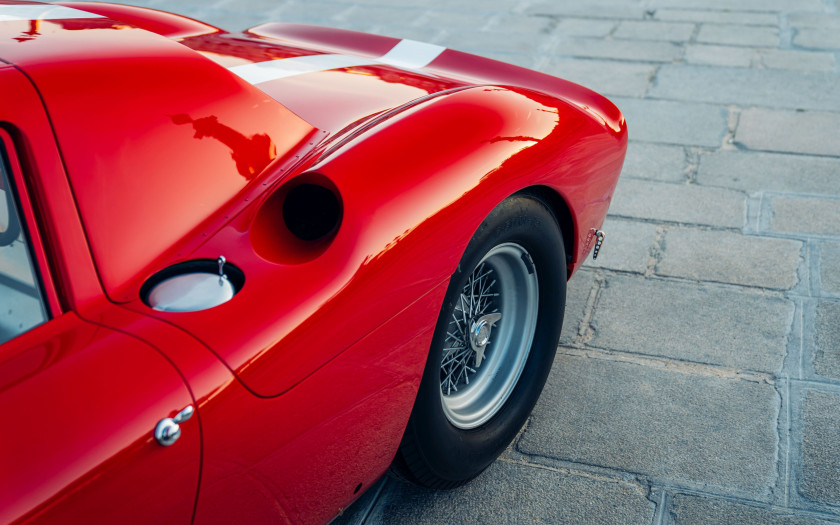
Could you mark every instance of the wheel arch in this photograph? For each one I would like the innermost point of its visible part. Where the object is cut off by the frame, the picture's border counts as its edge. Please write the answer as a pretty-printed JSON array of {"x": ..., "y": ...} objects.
[{"x": 558, "y": 207}]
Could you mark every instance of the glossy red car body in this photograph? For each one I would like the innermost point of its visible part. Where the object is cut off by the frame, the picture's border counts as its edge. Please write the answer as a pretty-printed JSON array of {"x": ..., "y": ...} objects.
[{"x": 138, "y": 140}]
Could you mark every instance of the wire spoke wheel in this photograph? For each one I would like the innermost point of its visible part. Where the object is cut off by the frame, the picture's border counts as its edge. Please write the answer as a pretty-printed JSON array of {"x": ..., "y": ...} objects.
[
  {"x": 489, "y": 336},
  {"x": 492, "y": 349}
]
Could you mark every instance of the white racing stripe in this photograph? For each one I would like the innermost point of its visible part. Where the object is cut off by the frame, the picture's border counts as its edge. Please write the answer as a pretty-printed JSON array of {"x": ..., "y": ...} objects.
[
  {"x": 412, "y": 54},
  {"x": 408, "y": 54},
  {"x": 260, "y": 72},
  {"x": 41, "y": 12}
]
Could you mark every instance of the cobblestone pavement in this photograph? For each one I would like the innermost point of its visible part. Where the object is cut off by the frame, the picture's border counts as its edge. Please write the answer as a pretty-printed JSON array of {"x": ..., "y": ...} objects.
[{"x": 698, "y": 379}]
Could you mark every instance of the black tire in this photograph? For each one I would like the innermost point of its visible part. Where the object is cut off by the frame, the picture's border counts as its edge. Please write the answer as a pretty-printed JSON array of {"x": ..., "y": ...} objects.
[{"x": 436, "y": 453}]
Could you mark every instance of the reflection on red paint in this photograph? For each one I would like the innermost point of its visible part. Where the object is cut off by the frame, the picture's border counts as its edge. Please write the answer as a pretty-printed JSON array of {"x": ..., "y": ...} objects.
[{"x": 251, "y": 154}]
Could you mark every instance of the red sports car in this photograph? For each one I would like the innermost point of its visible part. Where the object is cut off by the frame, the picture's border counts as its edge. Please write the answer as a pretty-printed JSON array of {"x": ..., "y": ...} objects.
[{"x": 242, "y": 275}]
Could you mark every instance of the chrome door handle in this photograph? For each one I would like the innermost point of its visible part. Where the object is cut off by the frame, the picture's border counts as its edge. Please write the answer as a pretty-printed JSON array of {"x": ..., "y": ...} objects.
[{"x": 168, "y": 430}]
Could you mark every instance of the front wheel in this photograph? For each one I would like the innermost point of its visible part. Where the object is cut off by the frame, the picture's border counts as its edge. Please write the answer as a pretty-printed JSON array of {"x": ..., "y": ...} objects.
[{"x": 493, "y": 346}]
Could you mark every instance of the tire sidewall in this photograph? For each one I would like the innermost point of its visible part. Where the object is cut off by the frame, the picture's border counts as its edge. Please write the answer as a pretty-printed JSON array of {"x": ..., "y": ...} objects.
[{"x": 457, "y": 454}]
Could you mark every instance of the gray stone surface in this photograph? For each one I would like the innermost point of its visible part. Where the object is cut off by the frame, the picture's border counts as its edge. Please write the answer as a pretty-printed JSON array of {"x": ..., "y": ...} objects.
[
  {"x": 805, "y": 20},
  {"x": 733, "y": 56},
  {"x": 656, "y": 162},
  {"x": 827, "y": 340},
  {"x": 661, "y": 423},
  {"x": 797, "y": 60},
  {"x": 578, "y": 290},
  {"x": 691, "y": 322},
  {"x": 743, "y": 5},
  {"x": 567, "y": 26},
  {"x": 820, "y": 474},
  {"x": 646, "y": 51},
  {"x": 726, "y": 16},
  {"x": 508, "y": 491},
  {"x": 714, "y": 55},
  {"x": 830, "y": 268},
  {"x": 651, "y": 30},
  {"x": 608, "y": 78},
  {"x": 809, "y": 216},
  {"x": 761, "y": 36},
  {"x": 686, "y": 509},
  {"x": 760, "y": 87},
  {"x": 627, "y": 246},
  {"x": 682, "y": 203},
  {"x": 813, "y": 132},
  {"x": 752, "y": 172},
  {"x": 726, "y": 257},
  {"x": 674, "y": 122},
  {"x": 817, "y": 38},
  {"x": 610, "y": 10}
]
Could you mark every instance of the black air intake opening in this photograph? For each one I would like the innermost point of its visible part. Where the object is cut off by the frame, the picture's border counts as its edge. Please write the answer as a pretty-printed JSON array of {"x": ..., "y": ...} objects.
[{"x": 311, "y": 212}]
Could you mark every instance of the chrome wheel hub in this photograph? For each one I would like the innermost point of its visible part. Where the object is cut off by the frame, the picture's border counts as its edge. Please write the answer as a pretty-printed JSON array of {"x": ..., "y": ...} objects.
[
  {"x": 480, "y": 334},
  {"x": 489, "y": 336}
]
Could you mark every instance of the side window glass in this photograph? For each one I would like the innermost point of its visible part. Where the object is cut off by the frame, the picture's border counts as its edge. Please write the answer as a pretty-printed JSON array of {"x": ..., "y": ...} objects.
[{"x": 21, "y": 302}]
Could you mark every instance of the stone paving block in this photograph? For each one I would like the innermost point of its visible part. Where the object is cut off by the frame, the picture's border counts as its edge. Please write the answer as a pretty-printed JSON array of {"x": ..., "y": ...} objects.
[
  {"x": 635, "y": 50},
  {"x": 675, "y": 427},
  {"x": 380, "y": 15},
  {"x": 800, "y": 20},
  {"x": 733, "y": 56},
  {"x": 652, "y": 30},
  {"x": 827, "y": 341},
  {"x": 711, "y": 55},
  {"x": 817, "y": 38},
  {"x": 717, "y": 17},
  {"x": 508, "y": 493},
  {"x": 567, "y": 26},
  {"x": 748, "y": 87},
  {"x": 709, "y": 511},
  {"x": 577, "y": 299},
  {"x": 813, "y": 132},
  {"x": 607, "y": 78},
  {"x": 728, "y": 257},
  {"x": 830, "y": 268},
  {"x": 586, "y": 10},
  {"x": 454, "y": 21},
  {"x": 459, "y": 5},
  {"x": 520, "y": 23},
  {"x": 626, "y": 247},
  {"x": 547, "y": 24},
  {"x": 806, "y": 216},
  {"x": 682, "y": 203},
  {"x": 754, "y": 171},
  {"x": 693, "y": 322},
  {"x": 797, "y": 60},
  {"x": 742, "y": 5},
  {"x": 674, "y": 122},
  {"x": 820, "y": 475},
  {"x": 654, "y": 161},
  {"x": 733, "y": 35}
]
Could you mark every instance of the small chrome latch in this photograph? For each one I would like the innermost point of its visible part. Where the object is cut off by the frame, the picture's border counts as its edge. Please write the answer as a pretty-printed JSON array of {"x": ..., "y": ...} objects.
[
  {"x": 221, "y": 262},
  {"x": 599, "y": 236},
  {"x": 168, "y": 430}
]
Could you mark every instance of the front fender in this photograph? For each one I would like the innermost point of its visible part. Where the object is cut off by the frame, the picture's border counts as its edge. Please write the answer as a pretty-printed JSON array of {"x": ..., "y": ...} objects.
[{"x": 422, "y": 180}]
